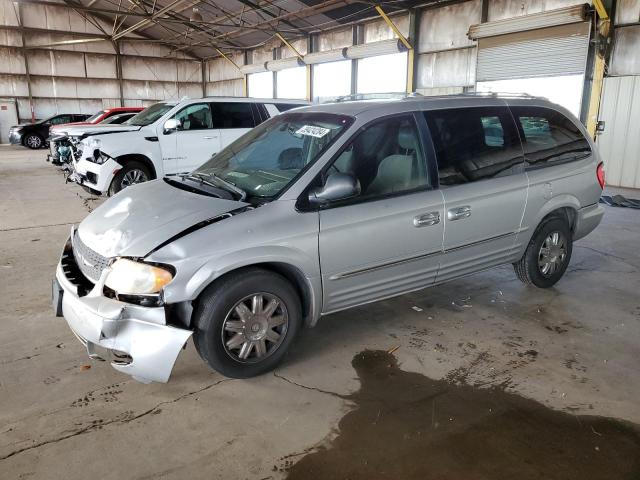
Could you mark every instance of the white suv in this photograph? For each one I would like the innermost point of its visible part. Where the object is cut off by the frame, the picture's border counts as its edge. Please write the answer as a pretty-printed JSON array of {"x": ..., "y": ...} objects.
[{"x": 166, "y": 138}]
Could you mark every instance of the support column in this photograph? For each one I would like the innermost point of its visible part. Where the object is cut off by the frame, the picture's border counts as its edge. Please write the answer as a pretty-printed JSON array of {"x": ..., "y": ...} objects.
[
  {"x": 26, "y": 65},
  {"x": 116, "y": 47},
  {"x": 203, "y": 70}
]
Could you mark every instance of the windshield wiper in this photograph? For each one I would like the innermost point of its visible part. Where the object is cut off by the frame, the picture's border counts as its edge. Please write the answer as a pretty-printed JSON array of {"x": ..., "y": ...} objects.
[{"x": 225, "y": 183}]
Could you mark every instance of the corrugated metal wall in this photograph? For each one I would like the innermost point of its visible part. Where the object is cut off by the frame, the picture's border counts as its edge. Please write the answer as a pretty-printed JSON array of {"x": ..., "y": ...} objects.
[
  {"x": 619, "y": 145},
  {"x": 83, "y": 77}
]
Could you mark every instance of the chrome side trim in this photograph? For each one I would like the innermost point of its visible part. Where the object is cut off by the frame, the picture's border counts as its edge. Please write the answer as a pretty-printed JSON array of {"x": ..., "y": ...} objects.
[
  {"x": 479, "y": 242},
  {"x": 353, "y": 273}
]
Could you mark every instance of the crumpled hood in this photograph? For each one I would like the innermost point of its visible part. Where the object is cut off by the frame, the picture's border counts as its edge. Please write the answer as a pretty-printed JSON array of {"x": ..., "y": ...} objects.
[
  {"x": 86, "y": 130},
  {"x": 138, "y": 219},
  {"x": 55, "y": 128},
  {"x": 90, "y": 129}
]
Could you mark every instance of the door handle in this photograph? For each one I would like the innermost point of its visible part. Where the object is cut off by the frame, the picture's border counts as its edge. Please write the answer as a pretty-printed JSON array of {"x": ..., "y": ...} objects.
[
  {"x": 426, "y": 220},
  {"x": 458, "y": 213},
  {"x": 209, "y": 138}
]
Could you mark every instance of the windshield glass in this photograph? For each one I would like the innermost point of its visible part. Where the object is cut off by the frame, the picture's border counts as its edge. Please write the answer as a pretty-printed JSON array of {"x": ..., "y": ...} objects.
[
  {"x": 95, "y": 116},
  {"x": 265, "y": 160},
  {"x": 150, "y": 115}
]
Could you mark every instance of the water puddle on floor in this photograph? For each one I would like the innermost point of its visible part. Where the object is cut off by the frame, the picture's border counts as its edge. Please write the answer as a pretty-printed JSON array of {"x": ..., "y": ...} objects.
[{"x": 407, "y": 426}]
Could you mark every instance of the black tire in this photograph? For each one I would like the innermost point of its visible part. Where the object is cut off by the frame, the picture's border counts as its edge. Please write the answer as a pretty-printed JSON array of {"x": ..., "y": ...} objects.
[
  {"x": 120, "y": 181},
  {"x": 529, "y": 270},
  {"x": 33, "y": 141},
  {"x": 215, "y": 309}
]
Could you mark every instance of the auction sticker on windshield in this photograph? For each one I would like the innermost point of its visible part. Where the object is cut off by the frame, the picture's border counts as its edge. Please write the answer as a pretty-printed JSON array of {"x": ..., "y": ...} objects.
[{"x": 313, "y": 131}]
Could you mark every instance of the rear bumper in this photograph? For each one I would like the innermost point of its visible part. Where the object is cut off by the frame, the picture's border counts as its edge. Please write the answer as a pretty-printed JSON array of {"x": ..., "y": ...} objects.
[
  {"x": 587, "y": 220},
  {"x": 135, "y": 339}
]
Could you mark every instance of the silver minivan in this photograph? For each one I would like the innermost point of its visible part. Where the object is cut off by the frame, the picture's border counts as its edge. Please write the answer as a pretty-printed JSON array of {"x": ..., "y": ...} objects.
[{"x": 321, "y": 209}]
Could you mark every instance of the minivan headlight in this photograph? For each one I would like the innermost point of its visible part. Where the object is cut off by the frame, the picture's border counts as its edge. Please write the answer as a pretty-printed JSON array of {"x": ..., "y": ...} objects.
[{"x": 136, "y": 278}]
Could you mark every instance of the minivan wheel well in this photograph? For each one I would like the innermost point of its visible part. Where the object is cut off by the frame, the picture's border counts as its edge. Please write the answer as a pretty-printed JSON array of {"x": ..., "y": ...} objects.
[
  {"x": 138, "y": 158},
  {"x": 294, "y": 276},
  {"x": 568, "y": 214}
]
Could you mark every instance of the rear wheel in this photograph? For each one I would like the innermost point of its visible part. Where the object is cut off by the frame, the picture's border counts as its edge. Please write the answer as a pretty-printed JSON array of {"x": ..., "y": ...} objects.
[
  {"x": 547, "y": 255},
  {"x": 33, "y": 141},
  {"x": 246, "y": 322},
  {"x": 132, "y": 173}
]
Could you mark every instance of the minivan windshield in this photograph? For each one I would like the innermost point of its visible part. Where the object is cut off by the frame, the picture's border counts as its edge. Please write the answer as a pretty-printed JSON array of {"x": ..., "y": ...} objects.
[
  {"x": 265, "y": 160},
  {"x": 150, "y": 115}
]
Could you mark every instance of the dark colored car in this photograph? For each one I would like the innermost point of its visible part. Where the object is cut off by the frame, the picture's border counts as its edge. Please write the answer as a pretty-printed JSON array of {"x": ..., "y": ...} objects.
[{"x": 34, "y": 135}]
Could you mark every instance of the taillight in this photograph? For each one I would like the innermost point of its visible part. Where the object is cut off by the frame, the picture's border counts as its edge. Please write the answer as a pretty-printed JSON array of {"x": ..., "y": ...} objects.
[{"x": 600, "y": 174}]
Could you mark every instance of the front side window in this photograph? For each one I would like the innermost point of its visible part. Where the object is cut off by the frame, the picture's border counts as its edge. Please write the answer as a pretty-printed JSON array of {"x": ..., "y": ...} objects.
[
  {"x": 268, "y": 158},
  {"x": 474, "y": 144},
  {"x": 151, "y": 114},
  {"x": 232, "y": 115},
  {"x": 386, "y": 158},
  {"x": 548, "y": 136},
  {"x": 194, "y": 117}
]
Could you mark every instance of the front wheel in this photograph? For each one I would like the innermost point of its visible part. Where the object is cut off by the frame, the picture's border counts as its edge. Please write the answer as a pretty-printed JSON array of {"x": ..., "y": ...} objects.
[
  {"x": 131, "y": 173},
  {"x": 33, "y": 141},
  {"x": 547, "y": 255},
  {"x": 246, "y": 322}
]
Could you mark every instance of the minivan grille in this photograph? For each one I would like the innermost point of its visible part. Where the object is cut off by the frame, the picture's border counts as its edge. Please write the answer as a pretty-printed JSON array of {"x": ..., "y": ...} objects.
[{"x": 91, "y": 263}]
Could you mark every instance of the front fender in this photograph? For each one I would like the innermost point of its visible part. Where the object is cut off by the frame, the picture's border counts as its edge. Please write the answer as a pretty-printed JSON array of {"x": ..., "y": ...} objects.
[{"x": 185, "y": 289}]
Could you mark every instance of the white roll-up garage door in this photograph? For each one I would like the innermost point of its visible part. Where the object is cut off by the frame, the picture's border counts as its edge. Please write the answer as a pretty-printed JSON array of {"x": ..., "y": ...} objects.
[{"x": 545, "y": 52}]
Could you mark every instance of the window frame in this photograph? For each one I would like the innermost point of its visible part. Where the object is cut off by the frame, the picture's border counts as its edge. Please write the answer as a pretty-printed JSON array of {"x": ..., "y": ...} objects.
[
  {"x": 463, "y": 108},
  {"x": 302, "y": 204},
  {"x": 175, "y": 115},
  {"x": 530, "y": 167}
]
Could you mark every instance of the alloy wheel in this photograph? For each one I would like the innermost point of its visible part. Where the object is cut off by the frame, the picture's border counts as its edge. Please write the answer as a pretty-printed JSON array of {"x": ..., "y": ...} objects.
[
  {"x": 33, "y": 141},
  {"x": 133, "y": 177},
  {"x": 552, "y": 254},
  {"x": 255, "y": 327}
]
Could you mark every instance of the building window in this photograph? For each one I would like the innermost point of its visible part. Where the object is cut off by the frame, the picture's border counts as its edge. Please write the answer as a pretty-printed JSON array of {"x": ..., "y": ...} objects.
[
  {"x": 383, "y": 74},
  {"x": 260, "y": 85},
  {"x": 292, "y": 83},
  {"x": 331, "y": 80}
]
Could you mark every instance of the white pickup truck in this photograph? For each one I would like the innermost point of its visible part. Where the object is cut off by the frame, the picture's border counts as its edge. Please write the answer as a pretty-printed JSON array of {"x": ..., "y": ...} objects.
[{"x": 166, "y": 138}]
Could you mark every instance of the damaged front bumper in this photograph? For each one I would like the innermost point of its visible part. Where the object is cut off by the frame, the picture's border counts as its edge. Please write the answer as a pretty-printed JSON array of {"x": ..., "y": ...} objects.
[
  {"x": 135, "y": 339},
  {"x": 96, "y": 177}
]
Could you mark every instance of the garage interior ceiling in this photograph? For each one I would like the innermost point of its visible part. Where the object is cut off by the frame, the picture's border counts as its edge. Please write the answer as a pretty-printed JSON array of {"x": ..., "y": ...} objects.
[{"x": 200, "y": 28}]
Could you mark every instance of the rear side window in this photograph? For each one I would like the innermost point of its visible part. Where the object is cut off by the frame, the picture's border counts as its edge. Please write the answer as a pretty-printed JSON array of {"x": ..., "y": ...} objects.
[
  {"x": 232, "y": 115},
  {"x": 474, "y": 144},
  {"x": 549, "y": 137}
]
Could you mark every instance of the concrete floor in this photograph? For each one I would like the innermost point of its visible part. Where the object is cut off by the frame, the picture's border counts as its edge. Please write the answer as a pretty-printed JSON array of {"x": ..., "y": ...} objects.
[{"x": 573, "y": 348}]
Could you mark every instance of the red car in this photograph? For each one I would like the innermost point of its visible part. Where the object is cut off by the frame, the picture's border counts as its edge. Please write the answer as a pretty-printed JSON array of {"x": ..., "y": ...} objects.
[{"x": 98, "y": 117}]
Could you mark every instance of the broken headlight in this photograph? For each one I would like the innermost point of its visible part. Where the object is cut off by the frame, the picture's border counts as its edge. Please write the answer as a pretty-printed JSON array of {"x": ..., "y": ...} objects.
[
  {"x": 97, "y": 156},
  {"x": 129, "y": 277}
]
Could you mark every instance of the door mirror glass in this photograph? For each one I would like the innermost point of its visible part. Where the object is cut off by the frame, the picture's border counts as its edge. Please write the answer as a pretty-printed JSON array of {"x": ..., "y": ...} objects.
[
  {"x": 339, "y": 186},
  {"x": 170, "y": 126}
]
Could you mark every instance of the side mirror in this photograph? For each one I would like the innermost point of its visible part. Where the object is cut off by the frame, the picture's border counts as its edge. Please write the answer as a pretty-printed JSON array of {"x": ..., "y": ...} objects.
[
  {"x": 339, "y": 186},
  {"x": 170, "y": 126}
]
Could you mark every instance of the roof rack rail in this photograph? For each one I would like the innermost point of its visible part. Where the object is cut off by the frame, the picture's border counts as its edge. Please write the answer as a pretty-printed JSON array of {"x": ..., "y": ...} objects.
[
  {"x": 373, "y": 96},
  {"x": 498, "y": 94}
]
